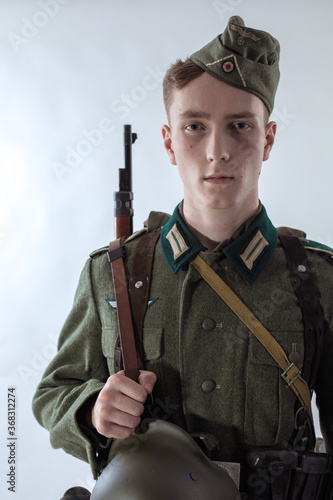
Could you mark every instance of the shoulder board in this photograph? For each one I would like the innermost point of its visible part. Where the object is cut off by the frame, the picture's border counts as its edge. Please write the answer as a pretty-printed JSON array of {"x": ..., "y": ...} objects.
[
  {"x": 98, "y": 252},
  {"x": 308, "y": 244},
  {"x": 156, "y": 220},
  {"x": 317, "y": 247},
  {"x": 290, "y": 231},
  {"x": 136, "y": 235}
]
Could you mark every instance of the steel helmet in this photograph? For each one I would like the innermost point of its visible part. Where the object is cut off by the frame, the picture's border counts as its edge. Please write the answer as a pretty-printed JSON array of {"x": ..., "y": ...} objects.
[
  {"x": 76, "y": 493},
  {"x": 162, "y": 463}
]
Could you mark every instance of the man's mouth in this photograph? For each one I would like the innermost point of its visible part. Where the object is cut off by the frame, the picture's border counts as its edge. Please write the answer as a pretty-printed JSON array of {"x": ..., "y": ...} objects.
[{"x": 219, "y": 179}]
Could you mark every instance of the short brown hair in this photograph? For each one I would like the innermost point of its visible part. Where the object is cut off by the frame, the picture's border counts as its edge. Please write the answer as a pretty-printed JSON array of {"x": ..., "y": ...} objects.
[{"x": 177, "y": 77}]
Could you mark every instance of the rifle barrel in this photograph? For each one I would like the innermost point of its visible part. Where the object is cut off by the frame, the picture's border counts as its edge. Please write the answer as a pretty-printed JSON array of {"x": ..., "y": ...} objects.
[{"x": 123, "y": 210}]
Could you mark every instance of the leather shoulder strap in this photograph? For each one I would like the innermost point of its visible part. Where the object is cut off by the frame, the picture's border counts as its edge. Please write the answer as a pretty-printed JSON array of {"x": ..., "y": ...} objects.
[
  {"x": 139, "y": 285},
  {"x": 132, "y": 301},
  {"x": 304, "y": 282}
]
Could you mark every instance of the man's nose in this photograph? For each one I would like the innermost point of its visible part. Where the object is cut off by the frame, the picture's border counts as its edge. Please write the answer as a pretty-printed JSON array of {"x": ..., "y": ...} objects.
[{"x": 217, "y": 147}]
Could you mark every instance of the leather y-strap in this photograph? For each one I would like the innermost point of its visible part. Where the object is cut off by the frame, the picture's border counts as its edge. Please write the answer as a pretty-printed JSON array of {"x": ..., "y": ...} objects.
[
  {"x": 139, "y": 285},
  {"x": 126, "y": 333},
  {"x": 132, "y": 301},
  {"x": 303, "y": 281},
  {"x": 291, "y": 373}
]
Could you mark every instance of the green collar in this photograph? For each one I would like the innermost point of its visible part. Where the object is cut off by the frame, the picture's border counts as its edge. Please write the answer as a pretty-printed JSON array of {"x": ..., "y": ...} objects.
[
  {"x": 249, "y": 253},
  {"x": 179, "y": 245}
]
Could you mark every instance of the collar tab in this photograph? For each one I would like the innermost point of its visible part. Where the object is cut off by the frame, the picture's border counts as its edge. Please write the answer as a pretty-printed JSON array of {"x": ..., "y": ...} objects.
[
  {"x": 179, "y": 245},
  {"x": 251, "y": 251}
]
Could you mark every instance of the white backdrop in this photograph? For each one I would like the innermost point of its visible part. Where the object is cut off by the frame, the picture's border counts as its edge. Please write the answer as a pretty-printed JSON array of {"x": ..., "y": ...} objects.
[{"x": 70, "y": 68}]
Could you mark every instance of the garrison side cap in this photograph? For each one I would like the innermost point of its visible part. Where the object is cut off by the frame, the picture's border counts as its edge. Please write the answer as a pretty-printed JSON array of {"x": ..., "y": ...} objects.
[{"x": 245, "y": 58}]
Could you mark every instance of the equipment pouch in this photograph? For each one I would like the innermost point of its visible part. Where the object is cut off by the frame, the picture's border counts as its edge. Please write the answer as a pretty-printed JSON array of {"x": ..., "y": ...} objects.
[{"x": 283, "y": 474}]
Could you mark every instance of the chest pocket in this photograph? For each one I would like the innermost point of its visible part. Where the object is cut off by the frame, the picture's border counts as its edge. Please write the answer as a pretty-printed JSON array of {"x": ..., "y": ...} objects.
[
  {"x": 152, "y": 343},
  {"x": 109, "y": 338},
  {"x": 269, "y": 404}
]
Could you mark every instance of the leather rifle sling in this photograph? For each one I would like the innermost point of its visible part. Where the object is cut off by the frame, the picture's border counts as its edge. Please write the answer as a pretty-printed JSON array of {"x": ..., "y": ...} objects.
[
  {"x": 290, "y": 374},
  {"x": 126, "y": 333}
]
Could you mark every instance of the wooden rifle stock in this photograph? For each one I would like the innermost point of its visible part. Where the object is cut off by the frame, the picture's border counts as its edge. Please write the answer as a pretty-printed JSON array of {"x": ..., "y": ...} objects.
[
  {"x": 123, "y": 210},
  {"x": 123, "y": 226}
]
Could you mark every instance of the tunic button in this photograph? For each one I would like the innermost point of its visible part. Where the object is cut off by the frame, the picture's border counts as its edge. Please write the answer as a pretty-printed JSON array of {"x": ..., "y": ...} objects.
[
  {"x": 208, "y": 386},
  {"x": 294, "y": 357},
  {"x": 208, "y": 324}
]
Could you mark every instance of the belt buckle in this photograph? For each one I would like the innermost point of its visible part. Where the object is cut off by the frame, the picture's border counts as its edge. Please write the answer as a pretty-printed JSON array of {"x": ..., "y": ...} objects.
[{"x": 285, "y": 373}]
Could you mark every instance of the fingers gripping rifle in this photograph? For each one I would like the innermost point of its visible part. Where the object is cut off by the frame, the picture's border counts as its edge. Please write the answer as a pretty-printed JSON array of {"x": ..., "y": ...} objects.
[{"x": 123, "y": 210}]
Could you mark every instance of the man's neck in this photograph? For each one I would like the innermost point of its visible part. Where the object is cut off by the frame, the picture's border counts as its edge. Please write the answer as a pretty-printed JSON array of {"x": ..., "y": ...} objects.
[{"x": 211, "y": 227}]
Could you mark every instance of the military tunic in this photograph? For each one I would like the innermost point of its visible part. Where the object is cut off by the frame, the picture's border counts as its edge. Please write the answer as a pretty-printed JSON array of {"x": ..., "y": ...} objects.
[{"x": 213, "y": 375}]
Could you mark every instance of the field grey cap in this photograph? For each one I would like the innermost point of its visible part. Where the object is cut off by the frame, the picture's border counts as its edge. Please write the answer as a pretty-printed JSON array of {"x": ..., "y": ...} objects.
[{"x": 245, "y": 58}]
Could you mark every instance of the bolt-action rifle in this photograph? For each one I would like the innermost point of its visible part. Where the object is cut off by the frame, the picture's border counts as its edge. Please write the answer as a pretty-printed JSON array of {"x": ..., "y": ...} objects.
[
  {"x": 123, "y": 210},
  {"x": 123, "y": 214}
]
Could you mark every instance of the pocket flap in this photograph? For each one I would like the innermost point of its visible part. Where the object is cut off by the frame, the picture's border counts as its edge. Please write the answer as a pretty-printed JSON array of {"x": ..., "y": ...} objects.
[
  {"x": 152, "y": 343},
  {"x": 289, "y": 341}
]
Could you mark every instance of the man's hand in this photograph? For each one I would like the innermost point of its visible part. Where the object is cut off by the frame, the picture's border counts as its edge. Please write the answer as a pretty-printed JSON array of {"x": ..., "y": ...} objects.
[{"x": 119, "y": 405}]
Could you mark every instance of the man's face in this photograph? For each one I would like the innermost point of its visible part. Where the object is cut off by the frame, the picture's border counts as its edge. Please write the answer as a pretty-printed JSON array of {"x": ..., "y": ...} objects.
[{"x": 218, "y": 138}]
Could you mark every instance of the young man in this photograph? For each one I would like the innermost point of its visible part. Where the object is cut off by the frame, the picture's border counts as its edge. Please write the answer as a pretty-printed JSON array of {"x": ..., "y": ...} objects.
[{"x": 206, "y": 369}]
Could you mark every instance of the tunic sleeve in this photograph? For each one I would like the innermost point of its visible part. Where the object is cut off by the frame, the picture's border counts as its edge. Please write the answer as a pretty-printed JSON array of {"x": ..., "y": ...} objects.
[{"x": 78, "y": 372}]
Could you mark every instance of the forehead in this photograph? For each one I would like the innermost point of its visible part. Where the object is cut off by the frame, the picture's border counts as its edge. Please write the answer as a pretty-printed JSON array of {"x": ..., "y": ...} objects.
[{"x": 214, "y": 97}]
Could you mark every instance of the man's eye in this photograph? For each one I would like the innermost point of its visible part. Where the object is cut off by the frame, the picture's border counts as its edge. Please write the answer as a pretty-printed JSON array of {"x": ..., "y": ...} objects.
[
  {"x": 193, "y": 126},
  {"x": 241, "y": 126}
]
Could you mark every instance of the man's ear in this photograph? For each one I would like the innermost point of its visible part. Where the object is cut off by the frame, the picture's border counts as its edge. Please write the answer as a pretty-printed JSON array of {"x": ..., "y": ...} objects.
[
  {"x": 270, "y": 137},
  {"x": 166, "y": 133}
]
